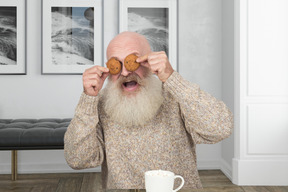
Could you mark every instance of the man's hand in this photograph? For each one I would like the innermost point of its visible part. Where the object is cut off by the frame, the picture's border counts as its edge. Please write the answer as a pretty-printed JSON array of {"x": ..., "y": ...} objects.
[
  {"x": 93, "y": 79},
  {"x": 158, "y": 64}
]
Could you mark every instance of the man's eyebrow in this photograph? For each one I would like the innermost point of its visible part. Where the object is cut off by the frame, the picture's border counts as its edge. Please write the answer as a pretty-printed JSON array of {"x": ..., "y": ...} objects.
[
  {"x": 135, "y": 53},
  {"x": 117, "y": 59}
]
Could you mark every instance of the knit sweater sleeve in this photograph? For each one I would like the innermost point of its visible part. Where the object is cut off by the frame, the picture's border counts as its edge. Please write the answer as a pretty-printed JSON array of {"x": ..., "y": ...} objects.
[
  {"x": 206, "y": 119},
  {"x": 83, "y": 140}
]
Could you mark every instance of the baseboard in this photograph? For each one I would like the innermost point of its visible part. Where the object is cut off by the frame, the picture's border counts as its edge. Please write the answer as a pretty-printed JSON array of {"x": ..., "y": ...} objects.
[
  {"x": 226, "y": 169},
  {"x": 208, "y": 164},
  {"x": 272, "y": 172}
]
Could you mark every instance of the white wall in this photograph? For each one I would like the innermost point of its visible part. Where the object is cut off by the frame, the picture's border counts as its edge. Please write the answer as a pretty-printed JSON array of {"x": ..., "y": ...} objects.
[
  {"x": 41, "y": 96},
  {"x": 228, "y": 79},
  {"x": 200, "y": 58}
]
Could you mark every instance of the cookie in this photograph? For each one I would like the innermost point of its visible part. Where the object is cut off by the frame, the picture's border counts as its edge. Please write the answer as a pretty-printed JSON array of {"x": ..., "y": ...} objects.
[
  {"x": 130, "y": 62},
  {"x": 114, "y": 66}
]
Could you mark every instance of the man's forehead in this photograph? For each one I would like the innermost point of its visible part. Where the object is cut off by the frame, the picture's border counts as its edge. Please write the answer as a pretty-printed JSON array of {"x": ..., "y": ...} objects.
[
  {"x": 127, "y": 43},
  {"x": 120, "y": 54}
]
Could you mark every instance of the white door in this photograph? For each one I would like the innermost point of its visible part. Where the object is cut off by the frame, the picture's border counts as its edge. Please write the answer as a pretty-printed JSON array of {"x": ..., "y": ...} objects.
[{"x": 261, "y": 76}]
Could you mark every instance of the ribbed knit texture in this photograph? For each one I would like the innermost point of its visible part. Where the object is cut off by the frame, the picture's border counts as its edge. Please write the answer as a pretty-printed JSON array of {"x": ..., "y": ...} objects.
[{"x": 187, "y": 117}]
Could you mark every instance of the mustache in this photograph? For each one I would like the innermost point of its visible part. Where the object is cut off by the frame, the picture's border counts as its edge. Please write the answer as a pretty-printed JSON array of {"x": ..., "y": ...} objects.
[{"x": 130, "y": 77}]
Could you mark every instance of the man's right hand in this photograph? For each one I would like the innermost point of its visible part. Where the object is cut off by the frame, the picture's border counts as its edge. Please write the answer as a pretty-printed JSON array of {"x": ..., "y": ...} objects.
[{"x": 93, "y": 79}]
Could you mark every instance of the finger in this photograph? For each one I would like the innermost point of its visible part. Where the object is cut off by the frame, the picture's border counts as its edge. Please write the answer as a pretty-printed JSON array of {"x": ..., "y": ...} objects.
[
  {"x": 145, "y": 64},
  {"x": 94, "y": 83},
  {"x": 104, "y": 69},
  {"x": 142, "y": 58},
  {"x": 154, "y": 61},
  {"x": 160, "y": 53},
  {"x": 157, "y": 55},
  {"x": 99, "y": 73},
  {"x": 156, "y": 68},
  {"x": 97, "y": 68},
  {"x": 104, "y": 76},
  {"x": 92, "y": 76},
  {"x": 89, "y": 84},
  {"x": 89, "y": 70},
  {"x": 88, "y": 79}
]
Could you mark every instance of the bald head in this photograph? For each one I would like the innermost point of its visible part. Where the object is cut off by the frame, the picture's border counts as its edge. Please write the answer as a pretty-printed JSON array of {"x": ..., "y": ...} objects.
[{"x": 126, "y": 43}]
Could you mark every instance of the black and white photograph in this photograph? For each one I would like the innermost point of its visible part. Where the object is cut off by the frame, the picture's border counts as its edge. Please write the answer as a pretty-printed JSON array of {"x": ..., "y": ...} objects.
[
  {"x": 157, "y": 20},
  {"x": 8, "y": 36},
  {"x": 153, "y": 23},
  {"x": 71, "y": 36},
  {"x": 13, "y": 37}
]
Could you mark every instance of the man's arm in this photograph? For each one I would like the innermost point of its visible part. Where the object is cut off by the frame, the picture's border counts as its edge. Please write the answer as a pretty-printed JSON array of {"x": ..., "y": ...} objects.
[
  {"x": 84, "y": 146},
  {"x": 207, "y": 119}
]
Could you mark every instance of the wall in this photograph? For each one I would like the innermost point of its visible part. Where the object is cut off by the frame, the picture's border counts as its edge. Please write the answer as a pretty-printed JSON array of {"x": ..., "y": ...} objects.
[
  {"x": 41, "y": 96},
  {"x": 200, "y": 58},
  {"x": 228, "y": 79}
]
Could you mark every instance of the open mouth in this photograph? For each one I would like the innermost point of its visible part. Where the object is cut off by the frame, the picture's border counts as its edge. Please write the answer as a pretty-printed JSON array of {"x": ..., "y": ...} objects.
[{"x": 130, "y": 85}]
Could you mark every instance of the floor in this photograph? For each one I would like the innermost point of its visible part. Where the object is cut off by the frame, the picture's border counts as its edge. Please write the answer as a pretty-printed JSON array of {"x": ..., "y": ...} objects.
[{"x": 212, "y": 181}]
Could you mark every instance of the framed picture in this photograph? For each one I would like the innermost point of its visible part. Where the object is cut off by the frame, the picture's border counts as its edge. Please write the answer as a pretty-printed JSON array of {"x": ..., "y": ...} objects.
[
  {"x": 157, "y": 20},
  {"x": 71, "y": 35},
  {"x": 13, "y": 37}
]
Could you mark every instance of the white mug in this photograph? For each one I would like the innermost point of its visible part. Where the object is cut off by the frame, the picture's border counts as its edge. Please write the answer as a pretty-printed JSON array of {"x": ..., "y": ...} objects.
[{"x": 161, "y": 181}]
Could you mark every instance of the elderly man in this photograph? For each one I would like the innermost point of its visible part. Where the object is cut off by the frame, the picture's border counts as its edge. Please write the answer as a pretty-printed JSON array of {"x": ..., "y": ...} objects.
[{"x": 139, "y": 122}]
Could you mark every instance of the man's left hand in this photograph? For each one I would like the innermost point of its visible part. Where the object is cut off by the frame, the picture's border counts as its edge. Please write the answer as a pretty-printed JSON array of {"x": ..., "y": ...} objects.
[{"x": 158, "y": 64}]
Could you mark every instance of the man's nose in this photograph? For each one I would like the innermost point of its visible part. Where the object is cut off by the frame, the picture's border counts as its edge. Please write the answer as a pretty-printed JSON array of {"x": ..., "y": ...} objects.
[{"x": 124, "y": 71}]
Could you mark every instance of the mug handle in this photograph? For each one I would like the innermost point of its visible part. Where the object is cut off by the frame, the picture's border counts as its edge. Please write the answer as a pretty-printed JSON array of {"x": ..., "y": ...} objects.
[{"x": 178, "y": 176}]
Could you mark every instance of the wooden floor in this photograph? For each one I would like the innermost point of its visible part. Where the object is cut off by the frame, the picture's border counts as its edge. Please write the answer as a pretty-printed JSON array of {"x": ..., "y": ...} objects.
[{"x": 212, "y": 181}]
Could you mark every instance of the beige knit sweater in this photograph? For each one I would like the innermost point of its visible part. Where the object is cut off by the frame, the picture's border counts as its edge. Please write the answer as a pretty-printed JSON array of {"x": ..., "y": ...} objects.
[{"x": 187, "y": 117}]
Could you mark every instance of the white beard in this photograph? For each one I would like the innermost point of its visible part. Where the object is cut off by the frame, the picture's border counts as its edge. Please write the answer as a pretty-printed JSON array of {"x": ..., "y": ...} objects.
[{"x": 137, "y": 109}]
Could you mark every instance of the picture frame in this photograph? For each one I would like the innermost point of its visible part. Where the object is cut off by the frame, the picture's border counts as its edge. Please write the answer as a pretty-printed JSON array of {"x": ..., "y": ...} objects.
[
  {"x": 13, "y": 37},
  {"x": 157, "y": 20},
  {"x": 71, "y": 35}
]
